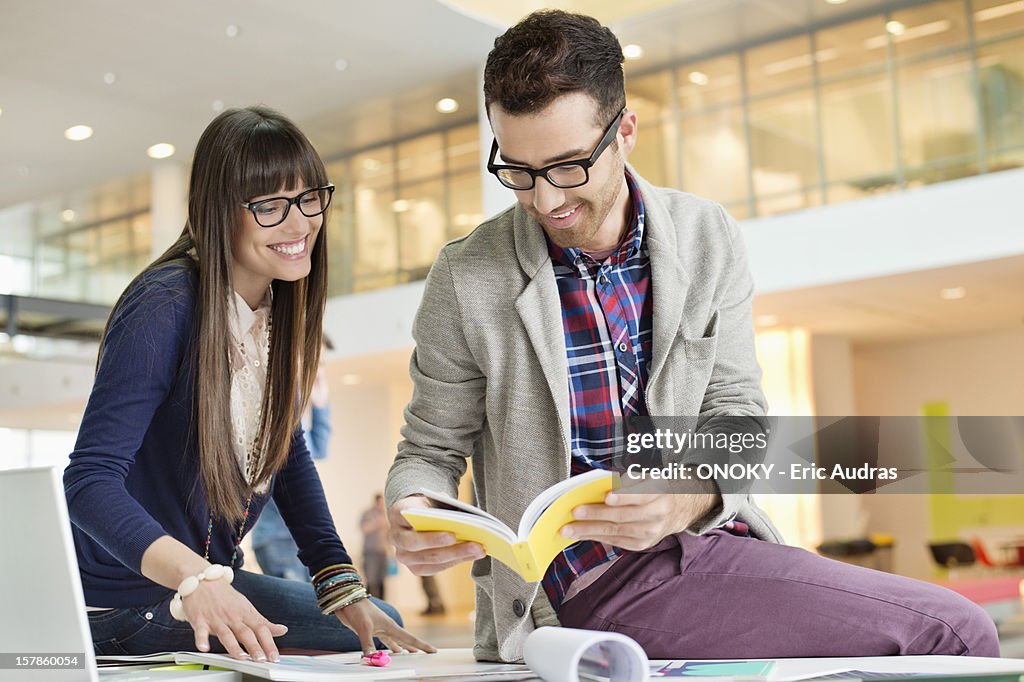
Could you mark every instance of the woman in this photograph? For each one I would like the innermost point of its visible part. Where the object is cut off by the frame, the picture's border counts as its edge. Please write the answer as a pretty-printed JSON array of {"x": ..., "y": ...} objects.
[{"x": 206, "y": 364}]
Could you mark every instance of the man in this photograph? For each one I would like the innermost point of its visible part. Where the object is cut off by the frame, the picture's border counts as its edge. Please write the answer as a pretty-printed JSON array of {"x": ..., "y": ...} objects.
[
  {"x": 374, "y": 525},
  {"x": 599, "y": 297}
]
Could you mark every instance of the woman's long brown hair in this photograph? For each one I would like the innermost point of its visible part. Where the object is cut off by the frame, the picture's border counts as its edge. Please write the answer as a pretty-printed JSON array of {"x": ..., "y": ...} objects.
[{"x": 245, "y": 153}]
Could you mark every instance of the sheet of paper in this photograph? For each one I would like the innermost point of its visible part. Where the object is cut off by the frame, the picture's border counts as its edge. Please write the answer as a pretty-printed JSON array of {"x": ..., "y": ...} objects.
[
  {"x": 865, "y": 667},
  {"x": 570, "y": 655}
]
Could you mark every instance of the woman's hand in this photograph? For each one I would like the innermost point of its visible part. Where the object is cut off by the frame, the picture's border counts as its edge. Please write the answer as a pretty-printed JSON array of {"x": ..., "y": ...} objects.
[
  {"x": 218, "y": 609},
  {"x": 366, "y": 620}
]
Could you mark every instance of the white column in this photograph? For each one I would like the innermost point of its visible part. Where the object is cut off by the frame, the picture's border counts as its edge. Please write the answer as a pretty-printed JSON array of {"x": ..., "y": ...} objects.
[
  {"x": 168, "y": 202},
  {"x": 843, "y": 516},
  {"x": 495, "y": 196}
]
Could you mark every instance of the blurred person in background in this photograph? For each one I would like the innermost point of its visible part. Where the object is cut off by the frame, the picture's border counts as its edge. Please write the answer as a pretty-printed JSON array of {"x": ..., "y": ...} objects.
[
  {"x": 272, "y": 542},
  {"x": 374, "y": 525}
]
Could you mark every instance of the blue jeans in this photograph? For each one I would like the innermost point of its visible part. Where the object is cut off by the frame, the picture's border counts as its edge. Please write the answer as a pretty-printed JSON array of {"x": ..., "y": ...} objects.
[
  {"x": 278, "y": 558},
  {"x": 149, "y": 629},
  {"x": 275, "y": 549}
]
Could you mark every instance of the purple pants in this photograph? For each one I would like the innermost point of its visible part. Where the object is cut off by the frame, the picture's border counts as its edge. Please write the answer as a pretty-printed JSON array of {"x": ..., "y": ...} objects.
[{"x": 722, "y": 596}]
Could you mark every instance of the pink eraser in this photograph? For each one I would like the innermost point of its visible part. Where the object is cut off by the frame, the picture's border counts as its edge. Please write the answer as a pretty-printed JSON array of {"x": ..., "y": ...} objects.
[{"x": 378, "y": 659}]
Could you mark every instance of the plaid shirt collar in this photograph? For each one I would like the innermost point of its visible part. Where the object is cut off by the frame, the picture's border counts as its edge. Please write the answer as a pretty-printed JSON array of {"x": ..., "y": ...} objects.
[{"x": 629, "y": 246}]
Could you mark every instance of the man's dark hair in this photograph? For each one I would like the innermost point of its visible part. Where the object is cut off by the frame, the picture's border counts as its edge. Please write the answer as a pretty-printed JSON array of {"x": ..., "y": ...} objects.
[{"x": 551, "y": 53}]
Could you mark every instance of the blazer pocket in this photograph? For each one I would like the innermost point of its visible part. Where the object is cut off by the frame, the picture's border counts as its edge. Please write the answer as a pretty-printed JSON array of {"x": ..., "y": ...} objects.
[{"x": 704, "y": 347}]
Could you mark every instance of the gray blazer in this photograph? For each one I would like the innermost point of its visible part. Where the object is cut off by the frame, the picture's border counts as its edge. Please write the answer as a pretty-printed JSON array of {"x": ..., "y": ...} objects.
[{"x": 490, "y": 377}]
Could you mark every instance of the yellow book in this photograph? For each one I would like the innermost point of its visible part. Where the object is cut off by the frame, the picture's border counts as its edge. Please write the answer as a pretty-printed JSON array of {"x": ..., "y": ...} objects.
[{"x": 538, "y": 541}]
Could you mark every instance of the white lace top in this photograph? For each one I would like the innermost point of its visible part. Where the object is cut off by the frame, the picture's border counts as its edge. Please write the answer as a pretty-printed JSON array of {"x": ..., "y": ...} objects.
[{"x": 250, "y": 348}]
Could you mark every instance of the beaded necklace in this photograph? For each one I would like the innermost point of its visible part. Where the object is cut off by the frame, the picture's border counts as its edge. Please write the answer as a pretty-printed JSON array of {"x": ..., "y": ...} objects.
[{"x": 251, "y": 466}]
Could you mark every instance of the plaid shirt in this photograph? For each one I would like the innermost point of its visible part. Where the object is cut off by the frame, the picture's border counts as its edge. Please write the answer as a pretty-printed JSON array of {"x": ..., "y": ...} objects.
[{"x": 606, "y": 317}]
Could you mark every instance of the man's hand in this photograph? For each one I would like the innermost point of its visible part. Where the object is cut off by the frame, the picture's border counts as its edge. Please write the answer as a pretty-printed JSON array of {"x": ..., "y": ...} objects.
[
  {"x": 638, "y": 521},
  {"x": 426, "y": 553}
]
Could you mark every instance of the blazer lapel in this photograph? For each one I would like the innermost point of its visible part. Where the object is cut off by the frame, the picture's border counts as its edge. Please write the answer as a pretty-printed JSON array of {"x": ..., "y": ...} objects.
[
  {"x": 669, "y": 282},
  {"x": 540, "y": 310}
]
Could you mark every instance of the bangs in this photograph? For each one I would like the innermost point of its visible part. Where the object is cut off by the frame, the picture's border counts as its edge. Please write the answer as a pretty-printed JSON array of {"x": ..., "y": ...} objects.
[{"x": 275, "y": 157}]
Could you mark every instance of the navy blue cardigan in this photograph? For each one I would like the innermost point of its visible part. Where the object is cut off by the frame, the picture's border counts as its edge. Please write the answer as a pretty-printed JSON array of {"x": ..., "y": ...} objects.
[{"x": 134, "y": 474}]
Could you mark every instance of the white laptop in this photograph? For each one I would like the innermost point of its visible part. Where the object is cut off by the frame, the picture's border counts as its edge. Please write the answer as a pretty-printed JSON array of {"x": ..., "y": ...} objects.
[{"x": 42, "y": 611}]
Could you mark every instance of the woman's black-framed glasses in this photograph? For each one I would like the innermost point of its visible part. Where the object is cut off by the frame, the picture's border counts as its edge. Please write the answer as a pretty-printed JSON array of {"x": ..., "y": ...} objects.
[
  {"x": 564, "y": 174},
  {"x": 274, "y": 211}
]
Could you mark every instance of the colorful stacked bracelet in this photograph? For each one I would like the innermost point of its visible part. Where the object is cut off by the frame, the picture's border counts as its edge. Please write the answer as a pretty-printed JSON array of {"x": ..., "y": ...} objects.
[{"x": 338, "y": 586}]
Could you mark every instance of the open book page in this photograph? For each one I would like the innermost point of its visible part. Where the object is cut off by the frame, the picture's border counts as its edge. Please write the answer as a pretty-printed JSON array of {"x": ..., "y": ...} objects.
[
  {"x": 546, "y": 499},
  {"x": 448, "y": 501},
  {"x": 543, "y": 539},
  {"x": 530, "y": 552},
  {"x": 296, "y": 668},
  {"x": 104, "y": 661},
  {"x": 495, "y": 537}
]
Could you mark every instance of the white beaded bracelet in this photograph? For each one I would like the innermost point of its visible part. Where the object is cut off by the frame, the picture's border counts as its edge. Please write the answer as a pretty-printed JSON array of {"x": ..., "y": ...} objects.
[{"x": 191, "y": 584}]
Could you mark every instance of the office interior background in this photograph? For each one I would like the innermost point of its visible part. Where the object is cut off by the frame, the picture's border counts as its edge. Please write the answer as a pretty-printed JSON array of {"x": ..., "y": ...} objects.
[{"x": 871, "y": 149}]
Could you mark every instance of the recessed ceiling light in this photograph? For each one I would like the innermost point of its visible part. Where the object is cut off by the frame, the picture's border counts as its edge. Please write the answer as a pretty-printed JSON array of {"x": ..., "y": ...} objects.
[
  {"x": 698, "y": 78},
  {"x": 835, "y": 2},
  {"x": 447, "y": 105},
  {"x": 350, "y": 379},
  {"x": 953, "y": 293},
  {"x": 340, "y": 64},
  {"x": 217, "y": 105},
  {"x": 231, "y": 31},
  {"x": 999, "y": 11},
  {"x": 1, "y": 112},
  {"x": 632, "y": 51},
  {"x": 78, "y": 133},
  {"x": 67, "y": 215},
  {"x": 896, "y": 28},
  {"x": 400, "y": 205},
  {"x": 160, "y": 151},
  {"x": 767, "y": 320},
  {"x": 110, "y": 78}
]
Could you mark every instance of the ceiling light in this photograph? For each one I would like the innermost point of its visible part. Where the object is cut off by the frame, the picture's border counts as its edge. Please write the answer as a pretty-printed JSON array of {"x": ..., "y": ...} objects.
[
  {"x": 231, "y": 31},
  {"x": 698, "y": 78},
  {"x": 953, "y": 293},
  {"x": 78, "y": 133},
  {"x": 999, "y": 11},
  {"x": 835, "y": 2},
  {"x": 160, "y": 151},
  {"x": 632, "y": 51},
  {"x": 897, "y": 28},
  {"x": 800, "y": 61},
  {"x": 1, "y": 112},
  {"x": 767, "y": 320},
  {"x": 67, "y": 215},
  {"x": 217, "y": 105},
  {"x": 447, "y": 105},
  {"x": 901, "y": 33},
  {"x": 350, "y": 379},
  {"x": 110, "y": 78},
  {"x": 400, "y": 205},
  {"x": 340, "y": 64}
]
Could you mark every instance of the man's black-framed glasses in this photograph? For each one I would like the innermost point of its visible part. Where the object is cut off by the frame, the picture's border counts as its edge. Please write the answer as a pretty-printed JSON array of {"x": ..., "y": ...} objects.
[
  {"x": 564, "y": 174},
  {"x": 274, "y": 211}
]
